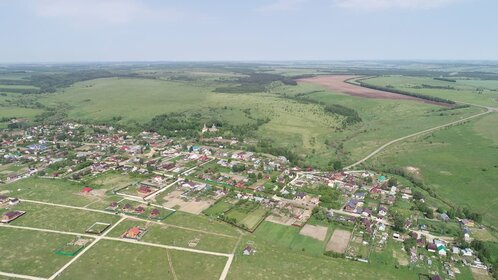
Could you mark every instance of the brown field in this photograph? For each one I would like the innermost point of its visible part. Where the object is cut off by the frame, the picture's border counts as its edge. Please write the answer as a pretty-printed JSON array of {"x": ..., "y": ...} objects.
[
  {"x": 338, "y": 83},
  {"x": 173, "y": 200},
  {"x": 316, "y": 232},
  {"x": 480, "y": 274},
  {"x": 339, "y": 241}
]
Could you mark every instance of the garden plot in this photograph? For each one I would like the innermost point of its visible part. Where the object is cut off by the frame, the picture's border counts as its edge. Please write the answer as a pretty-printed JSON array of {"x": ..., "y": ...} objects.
[
  {"x": 316, "y": 232},
  {"x": 338, "y": 243}
]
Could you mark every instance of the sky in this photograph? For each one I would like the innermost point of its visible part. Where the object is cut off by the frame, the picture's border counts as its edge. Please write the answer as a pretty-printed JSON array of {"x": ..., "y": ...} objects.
[{"x": 33, "y": 31}]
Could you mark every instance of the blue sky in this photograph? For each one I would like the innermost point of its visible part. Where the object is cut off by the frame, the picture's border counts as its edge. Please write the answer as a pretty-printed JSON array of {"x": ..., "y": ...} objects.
[{"x": 133, "y": 30}]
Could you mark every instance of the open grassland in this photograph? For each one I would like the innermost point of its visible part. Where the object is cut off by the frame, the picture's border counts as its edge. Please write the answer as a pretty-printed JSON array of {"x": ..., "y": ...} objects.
[
  {"x": 200, "y": 222},
  {"x": 460, "y": 163},
  {"x": 274, "y": 260},
  {"x": 117, "y": 260},
  {"x": 382, "y": 120},
  {"x": 30, "y": 252},
  {"x": 49, "y": 190},
  {"x": 59, "y": 218},
  {"x": 173, "y": 236},
  {"x": 461, "y": 90}
]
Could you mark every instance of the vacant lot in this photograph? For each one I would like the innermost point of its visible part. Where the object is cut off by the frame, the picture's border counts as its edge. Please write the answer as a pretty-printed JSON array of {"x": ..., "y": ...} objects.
[
  {"x": 31, "y": 252},
  {"x": 118, "y": 260},
  {"x": 50, "y": 190},
  {"x": 59, "y": 218},
  {"x": 193, "y": 206},
  {"x": 317, "y": 232},
  {"x": 339, "y": 241}
]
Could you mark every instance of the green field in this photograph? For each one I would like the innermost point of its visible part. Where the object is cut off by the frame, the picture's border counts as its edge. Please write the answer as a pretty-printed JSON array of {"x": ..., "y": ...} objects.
[
  {"x": 49, "y": 190},
  {"x": 59, "y": 218},
  {"x": 173, "y": 236},
  {"x": 31, "y": 252},
  {"x": 460, "y": 163},
  {"x": 247, "y": 217},
  {"x": 463, "y": 90},
  {"x": 117, "y": 260}
]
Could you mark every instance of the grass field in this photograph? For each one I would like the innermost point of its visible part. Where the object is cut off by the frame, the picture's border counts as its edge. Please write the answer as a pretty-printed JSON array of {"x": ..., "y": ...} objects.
[
  {"x": 461, "y": 163},
  {"x": 170, "y": 235},
  {"x": 200, "y": 222},
  {"x": 248, "y": 219},
  {"x": 31, "y": 252},
  {"x": 383, "y": 120},
  {"x": 49, "y": 190},
  {"x": 58, "y": 218},
  {"x": 218, "y": 208},
  {"x": 116, "y": 260},
  {"x": 463, "y": 90}
]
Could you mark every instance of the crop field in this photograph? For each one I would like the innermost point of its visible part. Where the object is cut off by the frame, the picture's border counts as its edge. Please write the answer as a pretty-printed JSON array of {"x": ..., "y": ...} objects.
[
  {"x": 30, "y": 252},
  {"x": 115, "y": 260},
  {"x": 460, "y": 163},
  {"x": 462, "y": 90}
]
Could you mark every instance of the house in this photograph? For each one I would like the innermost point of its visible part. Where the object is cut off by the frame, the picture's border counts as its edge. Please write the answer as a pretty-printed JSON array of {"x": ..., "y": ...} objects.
[
  {"x": 366, "y": 212},
  {"x": 248, "y": 250},
  {"x": 113, "y": 206},
  {"x": 11, "y": 215},
  {"x": 133, "y": 233},
  {"x": 127, "y": 207},
  {"x": 382, "y": 211},
  {"x": 432, "y": 247},
  {"x": 14, "y": 201},
  {"x": 441, "y": 250},
  {"x": 351, "y": 205},
  {"x": 86, "y": 190},
  {"x": 144, "y": 189},
  {"x": 444, "y": 217},
  {"x": 436, "y": 277},
  {"x": 139, "y": 210},
  {"x": 154, "y": 213},
  {"x": 3, "y": 198}
]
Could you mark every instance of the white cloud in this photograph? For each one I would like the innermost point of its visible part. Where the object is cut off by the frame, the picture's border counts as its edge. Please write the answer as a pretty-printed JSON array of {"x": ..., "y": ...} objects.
[
  {"x": 393, "y": 4},
  {"x": 103, "y": 11},
  {"x": 282, "y": 5}
]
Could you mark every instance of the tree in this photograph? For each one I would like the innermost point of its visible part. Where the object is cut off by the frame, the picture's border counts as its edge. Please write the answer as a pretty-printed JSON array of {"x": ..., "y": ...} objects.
[{"x": 337, "y": 165}]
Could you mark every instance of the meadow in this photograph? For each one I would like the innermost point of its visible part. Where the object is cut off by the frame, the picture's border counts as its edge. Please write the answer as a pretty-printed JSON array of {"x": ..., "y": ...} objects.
[
  {"x": 31, "y": 252},
  {"x": 181, "y": 237},
  {"x": 460, "y": 163},
  {"x": 481, "y": 92},
  {"x": 117, "y": 260}
]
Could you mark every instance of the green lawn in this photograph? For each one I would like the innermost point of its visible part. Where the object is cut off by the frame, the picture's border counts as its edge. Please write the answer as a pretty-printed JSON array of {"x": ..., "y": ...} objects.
[
  {"x": 218, "y": 208},
  {"x": 31, "y": 252}
]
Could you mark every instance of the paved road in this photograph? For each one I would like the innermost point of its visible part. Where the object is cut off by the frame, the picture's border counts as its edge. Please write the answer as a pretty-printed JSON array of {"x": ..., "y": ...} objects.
[{"x": 381, "y": 148}]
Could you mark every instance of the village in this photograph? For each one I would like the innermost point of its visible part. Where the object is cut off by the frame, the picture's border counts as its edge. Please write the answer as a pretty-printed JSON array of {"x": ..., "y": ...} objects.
[{"x": 150, "y": 177}]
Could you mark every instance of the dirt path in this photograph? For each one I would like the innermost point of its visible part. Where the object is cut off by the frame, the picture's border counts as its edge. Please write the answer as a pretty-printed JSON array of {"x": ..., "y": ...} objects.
[
  {"x": 381, "y": 148},
  {"x": 20, "y": 276},
  {"x": 170, "y": 263}
]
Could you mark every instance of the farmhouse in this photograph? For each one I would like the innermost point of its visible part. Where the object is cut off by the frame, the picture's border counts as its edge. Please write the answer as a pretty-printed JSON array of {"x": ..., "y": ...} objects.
[
  {"x": 248, "y": 250},
  {"x": 134, "y": 233},
  {"x": 86, "y": 190},
  {"x": 12, "y": 215}
]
